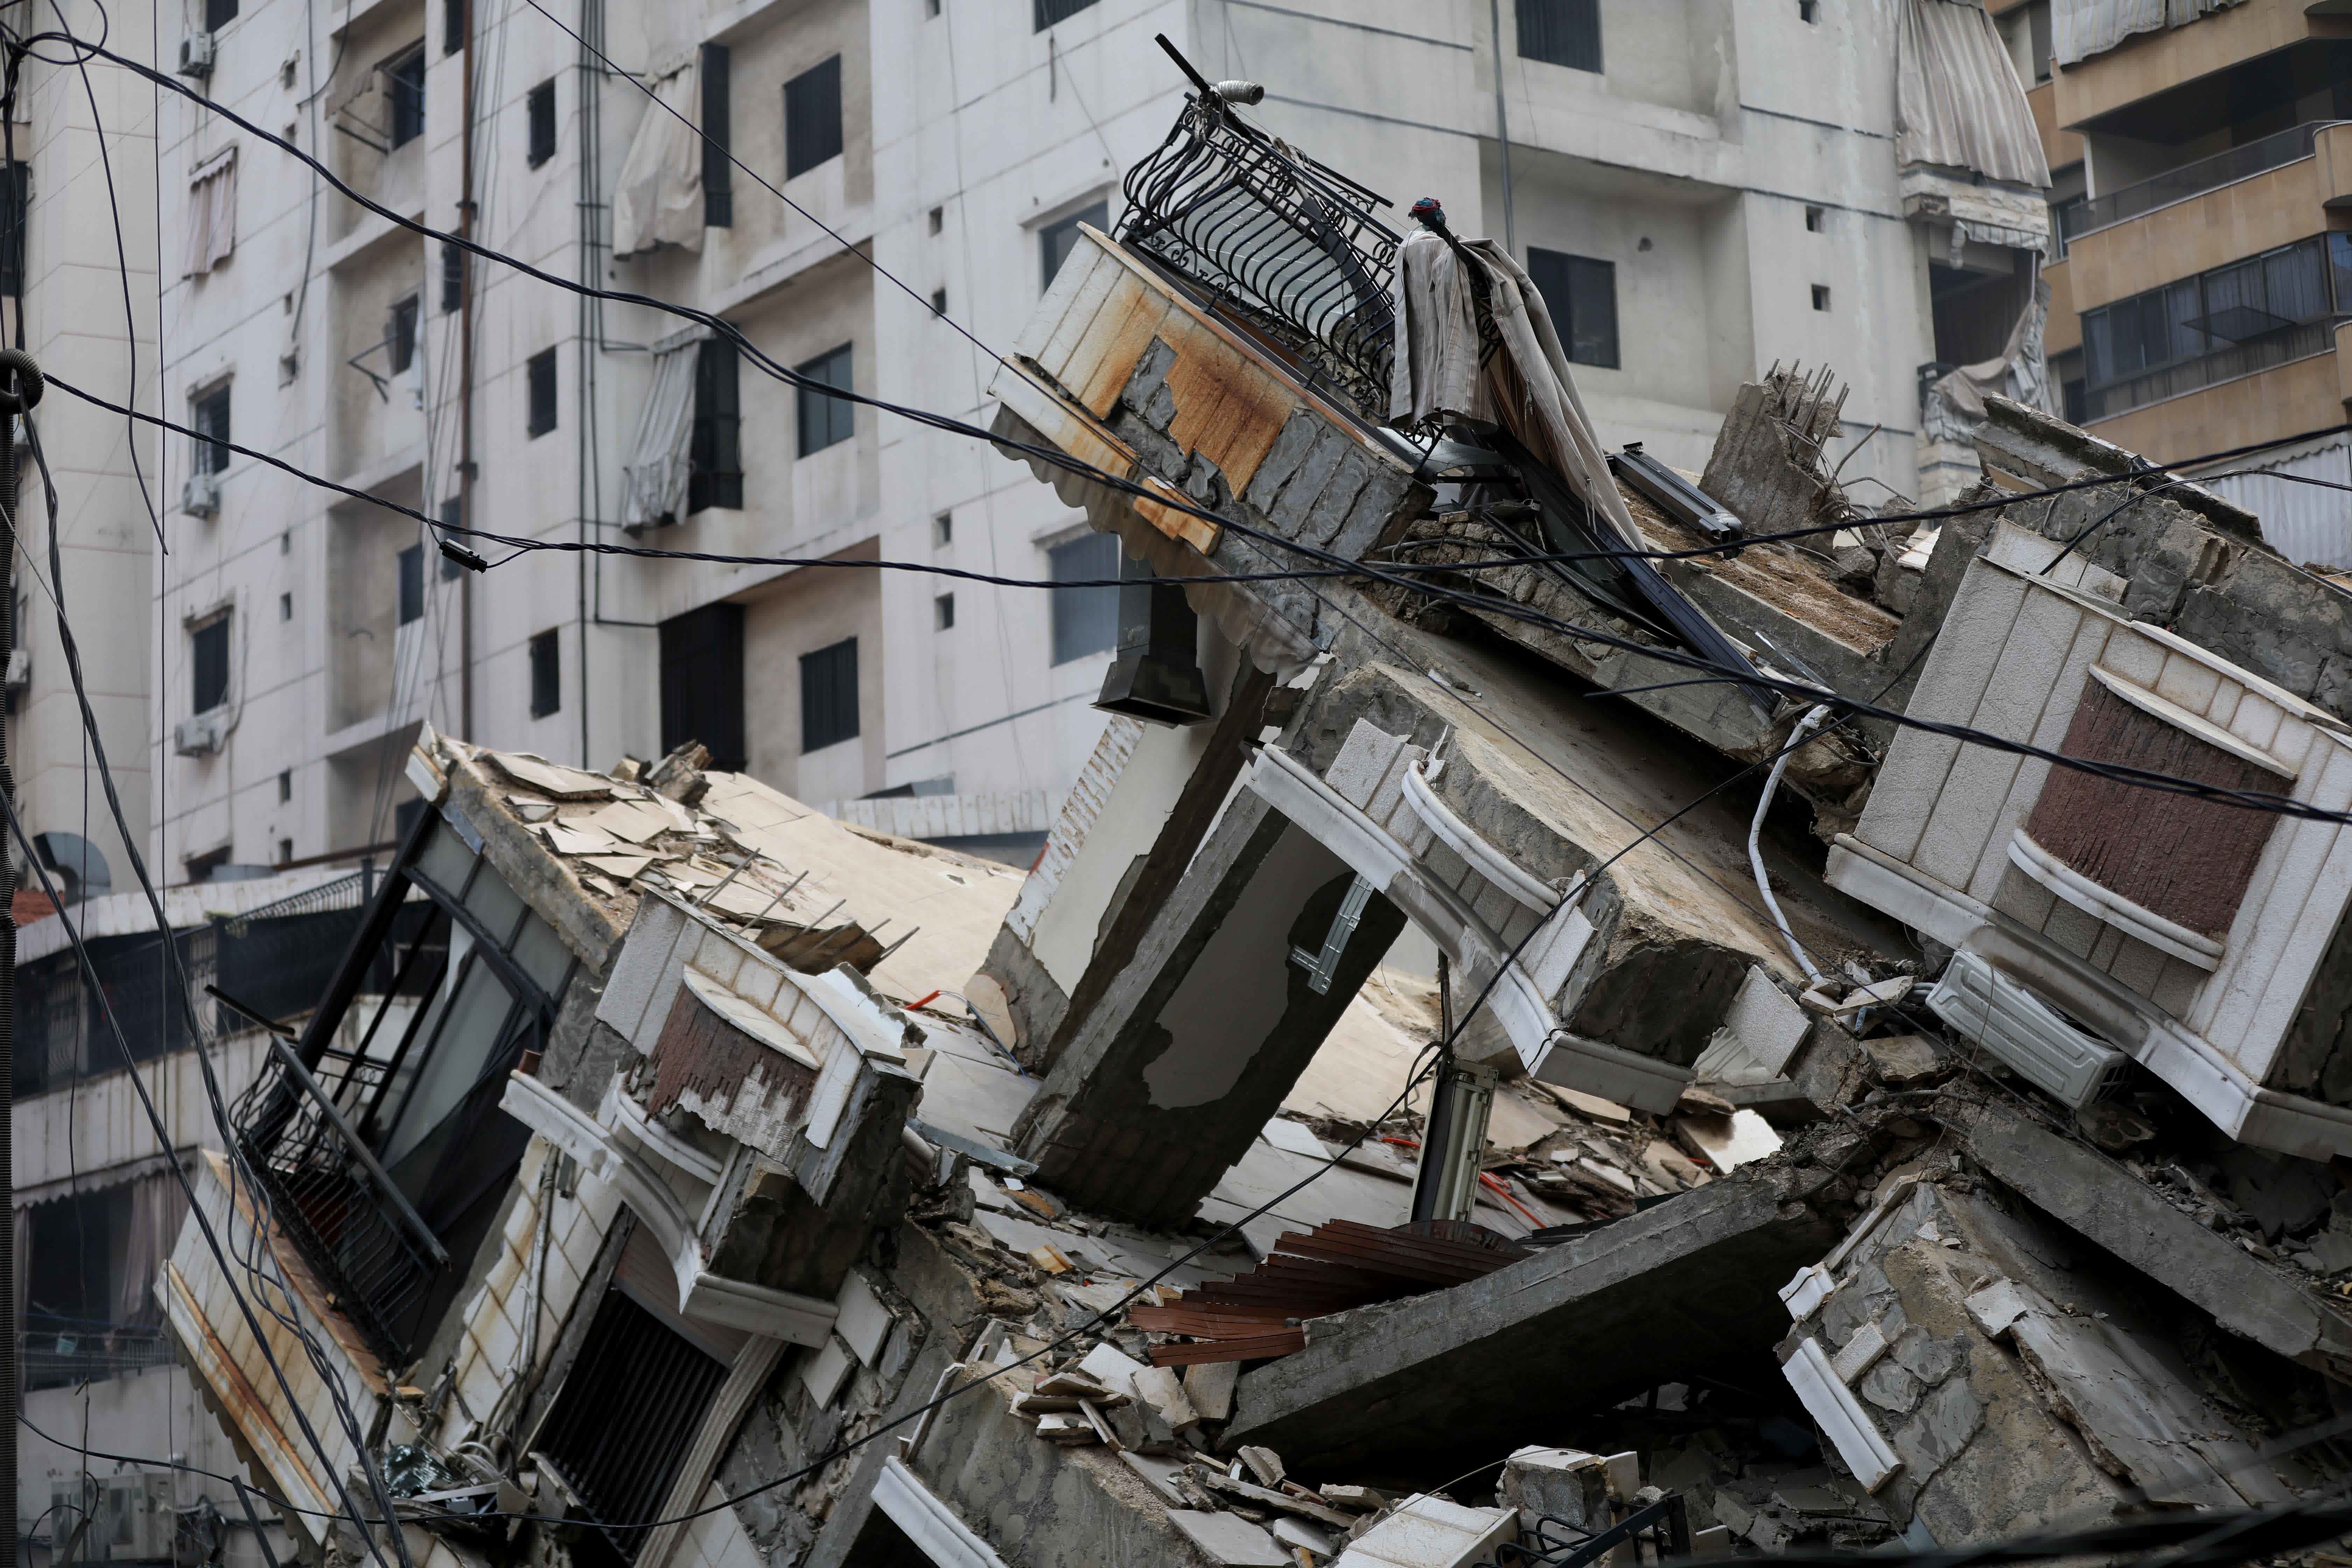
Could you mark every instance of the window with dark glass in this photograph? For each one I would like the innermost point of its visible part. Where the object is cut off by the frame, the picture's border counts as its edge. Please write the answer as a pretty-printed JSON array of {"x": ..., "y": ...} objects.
[
  {"x": 1085, "y": 620},
  {"x": 546, "y": 674},
  {"x": 400, "y": 334},
  {"x": 1560, "y": 33},
  {"x": 453, "y": 25},
  {"x": 1582, "y": 295},
  {"x": 702, "y": 684},
  {"x": 826, "y": 420},
  {"x": 219, "y": 14},
  {"x": 404, "y": 91},
  {"x": 1056, "y": 240},
  {"x": 715, "y": 475},
  {"x": 412, "y": 584},
  {"x": 829, "y": 696},
  {"x": 538, "y": 123},
  {"x": 1044, "y": 14},
  {"x": 717, "y": 167},
  {"x": 2262, "y": 307},
  {"x": 209, "y": 417},
  {"x": 453, "y": 515},
  {"x": 453, "y": 280},
  {"x": 812, "y": 117},
  {"x": 538, "y": 371},
  {"x": 209, "y": 665}
]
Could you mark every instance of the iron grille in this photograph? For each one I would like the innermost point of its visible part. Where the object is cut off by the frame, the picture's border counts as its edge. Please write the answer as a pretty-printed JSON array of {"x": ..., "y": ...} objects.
[
  {"x": 322, "y": 1200},
  {"x": 1286, "y": 243},
  {"x": 622, "y": 1470}
]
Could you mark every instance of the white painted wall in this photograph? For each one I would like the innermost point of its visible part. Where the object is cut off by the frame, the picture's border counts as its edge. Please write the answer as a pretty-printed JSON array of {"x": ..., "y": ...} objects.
[{"x": 1703, "y": 139}]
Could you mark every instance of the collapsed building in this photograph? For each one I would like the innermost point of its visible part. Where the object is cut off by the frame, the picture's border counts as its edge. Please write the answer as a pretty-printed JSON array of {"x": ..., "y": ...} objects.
[{"x": 1818, "y": 1128}]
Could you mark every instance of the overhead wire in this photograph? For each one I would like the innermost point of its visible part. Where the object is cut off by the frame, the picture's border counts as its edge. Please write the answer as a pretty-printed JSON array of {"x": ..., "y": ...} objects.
[
  {"x": 720, "y": 327},
  {"x": 1335, "y": 565},
  {"x": 180, "y": 990},
  {"x": 1345, "y": 570}
]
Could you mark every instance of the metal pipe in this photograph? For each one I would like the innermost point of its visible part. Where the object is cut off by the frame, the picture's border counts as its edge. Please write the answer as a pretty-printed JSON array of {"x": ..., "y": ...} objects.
[{"x": 1503, "y": 128}]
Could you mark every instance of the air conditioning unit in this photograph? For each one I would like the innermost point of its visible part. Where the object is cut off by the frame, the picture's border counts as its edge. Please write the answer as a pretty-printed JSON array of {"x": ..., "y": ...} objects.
[
  {"x": 20, "y": 669},
  {"x": 196, "y": 54},
  {"x": 130, "y": 1518},
  {"x": 200, "y": 495},
  {"x": 202, "y": 734}
]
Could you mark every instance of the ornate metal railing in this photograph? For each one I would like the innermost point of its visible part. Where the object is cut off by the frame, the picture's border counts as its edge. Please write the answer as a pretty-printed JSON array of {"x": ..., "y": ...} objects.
[
  {"x": 353, "y": 1227},
  {"x": 1284, "y": 242}
]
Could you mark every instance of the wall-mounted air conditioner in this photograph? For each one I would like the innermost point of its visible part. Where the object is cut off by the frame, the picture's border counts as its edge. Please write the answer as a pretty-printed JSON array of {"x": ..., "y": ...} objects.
[
  {"x": 200, "y": 495},
  {"x": 196, "y": 54},
  {"x": 201, "y": 734}
]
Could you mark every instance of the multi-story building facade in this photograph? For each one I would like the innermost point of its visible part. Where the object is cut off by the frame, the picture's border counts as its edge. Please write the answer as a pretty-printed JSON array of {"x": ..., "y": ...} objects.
[
  {"x": 1704, "y": 191},
  {"x": 78, "y": 265},
  {"x": 2203, "y": 170}
]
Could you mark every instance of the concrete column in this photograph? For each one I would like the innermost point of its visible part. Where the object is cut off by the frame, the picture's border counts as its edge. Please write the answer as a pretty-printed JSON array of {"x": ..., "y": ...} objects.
[{"x": 1160, "y": 1089}]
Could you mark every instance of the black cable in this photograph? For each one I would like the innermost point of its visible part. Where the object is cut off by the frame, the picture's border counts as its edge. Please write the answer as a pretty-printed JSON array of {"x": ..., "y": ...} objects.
[
  {"x": 776, "y": 370},
  {"x": 196, "y": 1207},
  {"x": 1340, "y": 566},
  {"x": 214, "y": 1094}
]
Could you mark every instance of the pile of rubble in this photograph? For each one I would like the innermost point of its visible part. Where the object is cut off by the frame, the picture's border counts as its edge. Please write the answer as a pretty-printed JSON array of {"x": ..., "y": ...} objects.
[{"x": 1934, "y": 1140}]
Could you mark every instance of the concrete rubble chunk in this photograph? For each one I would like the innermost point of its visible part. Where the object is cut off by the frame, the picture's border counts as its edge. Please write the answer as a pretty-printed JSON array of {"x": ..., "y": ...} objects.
[
  {"x": 1580, "y": 1324},
  {"x": 1560, "y": 1482},
  {"x": 1297, "y": 1533},
  {"x": 1263, "y": 1463},
  {"x": 1430, "y": 1532},
  {"x": 1209, "y": 1388},
  {"x": 1224, "y": 1539},
  {"x": 1162, "y": 1388}
]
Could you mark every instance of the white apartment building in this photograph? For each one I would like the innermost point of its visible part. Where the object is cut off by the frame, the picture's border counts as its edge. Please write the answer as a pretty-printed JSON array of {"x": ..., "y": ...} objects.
[
  {"x": 82, "y": 272},
  {"x": 1706, "y": 189}
]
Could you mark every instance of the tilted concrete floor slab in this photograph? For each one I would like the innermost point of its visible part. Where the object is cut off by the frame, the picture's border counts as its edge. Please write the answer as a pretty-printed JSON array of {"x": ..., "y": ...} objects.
[{"x": 1478, "y": 1369}]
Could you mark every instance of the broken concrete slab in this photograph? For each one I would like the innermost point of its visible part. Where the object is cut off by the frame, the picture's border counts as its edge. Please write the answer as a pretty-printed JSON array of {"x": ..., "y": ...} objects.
[
  {"x": 2076, "y": 1187},
  {"x": 1467, "y": 1369},
  {"x": 1430, "y": 1532},
  {"x": 1906, "y": 1363},
  {"x": 1228, "y": 1539}
]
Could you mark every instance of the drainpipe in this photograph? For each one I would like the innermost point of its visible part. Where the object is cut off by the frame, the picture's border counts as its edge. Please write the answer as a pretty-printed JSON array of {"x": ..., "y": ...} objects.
[
  {"x": 466, "y": 394},
  {"x": 1503, "y": 128}
]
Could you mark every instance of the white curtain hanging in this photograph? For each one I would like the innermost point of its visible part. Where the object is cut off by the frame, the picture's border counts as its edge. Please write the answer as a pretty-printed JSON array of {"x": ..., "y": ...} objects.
[
  {"x": 658, "y": 462},
  {"x": 658, "y": 198},
  {"x": 1958, "y": 101},
  {"x": 211, "y": 232}
]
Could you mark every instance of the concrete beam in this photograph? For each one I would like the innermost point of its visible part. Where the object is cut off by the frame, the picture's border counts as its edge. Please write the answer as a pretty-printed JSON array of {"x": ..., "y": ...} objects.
[
  {"x": 1484, "y": 1367},
  {"x": 2082, "y": 1190},
  {"x": 1160, "y": 1089}
]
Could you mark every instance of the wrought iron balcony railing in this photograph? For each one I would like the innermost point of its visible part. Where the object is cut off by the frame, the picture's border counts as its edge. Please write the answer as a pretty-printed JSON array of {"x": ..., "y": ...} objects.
[
  {"x": 354, "y": 1227},
  {"x": 1287, "y": 244}
]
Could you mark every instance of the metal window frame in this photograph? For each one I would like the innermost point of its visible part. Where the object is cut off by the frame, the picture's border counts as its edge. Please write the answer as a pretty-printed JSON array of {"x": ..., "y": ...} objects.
[
  {"x": 404, "y": 102},
  {"x": 1064, "y": 626},
  {"x": 820, "y": 419}
]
